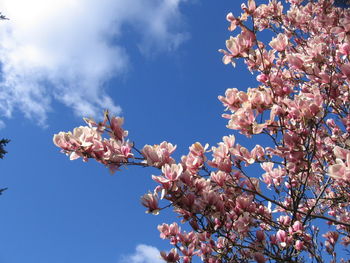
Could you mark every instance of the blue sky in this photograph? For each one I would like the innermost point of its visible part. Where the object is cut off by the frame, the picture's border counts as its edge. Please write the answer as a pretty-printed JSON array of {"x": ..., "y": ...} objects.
[{"x": 155, "y": 62}]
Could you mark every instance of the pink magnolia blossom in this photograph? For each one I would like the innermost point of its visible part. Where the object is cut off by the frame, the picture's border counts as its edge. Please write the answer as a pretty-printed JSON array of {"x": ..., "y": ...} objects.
[
  {"x": 171, "y": 173},
  {"x": 298, "y": 227},
  {"x": 170, "y": 257},
  {"x": 341, "y": 170},
  {"x": 167, "y": 231},
  {"x": 65, "y": 141},
  {"x": 158, "y": 155},
  {"x": 262, "y": 78},
  {"x": 150, "y": 201},
  {"x": 281, "y": 237},
  {"x": 279, "y": 43},
  {"x": 299, "y": 245},
  {"x": 295, "y": 61},
  {"x": 345, "y": 49}
]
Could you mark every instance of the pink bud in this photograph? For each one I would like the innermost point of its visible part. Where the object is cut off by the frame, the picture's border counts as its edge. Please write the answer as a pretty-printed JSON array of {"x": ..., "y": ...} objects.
[
  {"x": 260, "y": 235},
  {"x": 259, "y": 258},
  {"x": 299, "y": 245},
  {"x": 273, "y": 240},
  {"x": 251, "y": 6},
  {"x": 281, "y": 237},
  {"x": 119, "y": 133},
  {"x": 262, "y": 78},
  {"x": 230, "y": 17},
  {"x": 287, "y": 90},
  {"x": 332, "y": 213}
]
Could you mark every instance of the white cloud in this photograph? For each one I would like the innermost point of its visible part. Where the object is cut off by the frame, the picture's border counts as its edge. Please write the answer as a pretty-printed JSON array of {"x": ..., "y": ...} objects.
[
  {"x": 67, "y": 50},
  {"x": 143, "y": 254}
]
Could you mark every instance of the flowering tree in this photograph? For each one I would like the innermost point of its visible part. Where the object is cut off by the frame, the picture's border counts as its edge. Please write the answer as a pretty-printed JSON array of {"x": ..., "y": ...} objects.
[{"x": 298, "y": 208}]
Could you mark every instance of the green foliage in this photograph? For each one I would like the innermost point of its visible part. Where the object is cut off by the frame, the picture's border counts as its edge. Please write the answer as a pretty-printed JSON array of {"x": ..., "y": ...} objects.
[
  {"x": 3, "y": 143},
  {"x": 3, "y": 17}
]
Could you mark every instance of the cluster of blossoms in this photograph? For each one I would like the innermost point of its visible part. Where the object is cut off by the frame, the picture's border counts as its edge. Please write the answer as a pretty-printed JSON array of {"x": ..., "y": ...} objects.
[
  {"x": 301, "y": 105},
  {"x": 87, "y": 142}
]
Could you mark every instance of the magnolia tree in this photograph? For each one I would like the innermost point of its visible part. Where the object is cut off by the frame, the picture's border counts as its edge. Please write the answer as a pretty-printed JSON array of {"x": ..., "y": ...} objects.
[{"x": 297, "y": 209}]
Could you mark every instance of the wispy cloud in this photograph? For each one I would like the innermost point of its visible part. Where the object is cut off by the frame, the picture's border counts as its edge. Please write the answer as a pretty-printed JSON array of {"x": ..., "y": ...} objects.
[
  {"x": 68, "y": 50},
  {"x": 143, "y": 254}
]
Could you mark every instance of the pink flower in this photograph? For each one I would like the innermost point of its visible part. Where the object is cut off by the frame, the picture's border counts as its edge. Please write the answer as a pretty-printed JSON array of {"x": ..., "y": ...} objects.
[
  {"x": 116, "y": 127},
  {"x": 65, "y": 141},
  {"x": 281, "y": 237},
  {"x": 196, "y": 158},
  {"x": 86, "y": 136},
  {"x": 251, "y": 6},
  {"x": 298, "y": 227},
  {"x": 243, "y": 202},
  {"x": 198, "y": 150},
  {"x": 339, "y": 152},
  {"x": 114, "y": 153},
  {"x": 262, "y": 78},
  {"x": 219, "y": 178},
  {"x": 229, "y": 141},
  {"x": 295, "y": 61},
  {"x": 151, "y": 202},
  {"x": 233, "y": 21},
  {"x": 167, "y": 231},
  {"x": 340, "y": 170},
  {"x": 171, "y": 257},
  {"x": 332, "y": 238},
  {"x": 272, "y": 176},
  {"x": 227, "y": 58},
  {"x": 284, "y": 220},
  {"x": 258, "y": 153},
  {"x": 233, "y": 99},
  {"x": 233, "y": 46},
  {"x": 230, "y": 17},
  {"x": 344, "y": 49},
  {"x": 158, "y": 155},
  {"x": 171, "y": 174},
  {"x": 345, "y": 22},
  {"x": 299, "y": 245},
  {"x": 280, "y": 42},
  {"x": 240, "y": 44},
  {"x": 222, "y": 158},
  {"x": 84, "y": 140},
  {"x": 345, "y": 69},
  {"x": 242, "y": 224},
  {"x": 242, "y": 119}
]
